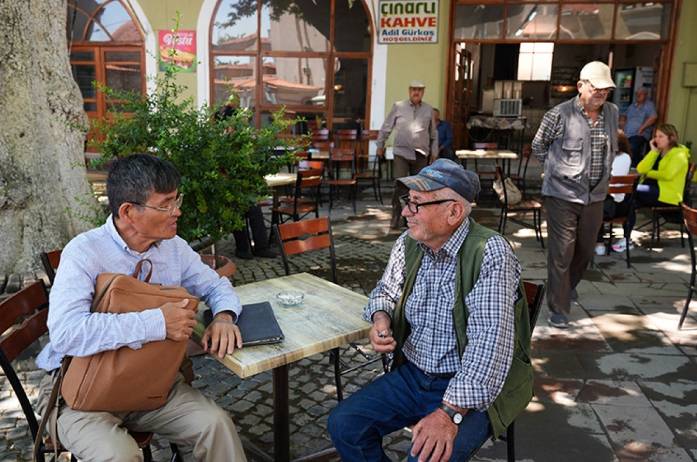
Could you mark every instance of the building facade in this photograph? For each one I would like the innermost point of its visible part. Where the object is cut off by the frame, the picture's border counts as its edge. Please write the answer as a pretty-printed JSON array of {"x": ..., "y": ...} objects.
[{"x": 337, "y": 61}]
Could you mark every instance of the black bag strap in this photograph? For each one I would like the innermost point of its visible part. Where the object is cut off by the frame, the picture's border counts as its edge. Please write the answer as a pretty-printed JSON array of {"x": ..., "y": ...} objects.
[{"x": 53, "y": 403}]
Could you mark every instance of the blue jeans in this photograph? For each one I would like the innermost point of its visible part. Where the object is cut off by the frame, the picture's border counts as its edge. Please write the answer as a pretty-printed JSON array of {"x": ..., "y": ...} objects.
[{"x": 394, "y": 401}]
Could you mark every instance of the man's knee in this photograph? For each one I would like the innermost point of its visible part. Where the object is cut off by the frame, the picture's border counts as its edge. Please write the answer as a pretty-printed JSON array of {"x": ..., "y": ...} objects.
[
  {"x": 336, "y": 424},
  {"x": 119, "y": 448}
]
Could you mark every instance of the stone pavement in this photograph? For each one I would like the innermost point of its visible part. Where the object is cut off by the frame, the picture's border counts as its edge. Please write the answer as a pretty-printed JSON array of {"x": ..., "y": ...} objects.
[{"x": 621, "y": 384}]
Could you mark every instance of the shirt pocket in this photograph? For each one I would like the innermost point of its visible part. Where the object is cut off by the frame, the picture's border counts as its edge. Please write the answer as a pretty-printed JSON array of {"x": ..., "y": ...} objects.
[{"x": 572, "y": 150}]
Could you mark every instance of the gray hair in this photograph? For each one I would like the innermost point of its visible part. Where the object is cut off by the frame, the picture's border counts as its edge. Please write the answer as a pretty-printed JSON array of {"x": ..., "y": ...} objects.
[
  {"x": 447, "y": 193},
  {"x": 134, "y": 178}
]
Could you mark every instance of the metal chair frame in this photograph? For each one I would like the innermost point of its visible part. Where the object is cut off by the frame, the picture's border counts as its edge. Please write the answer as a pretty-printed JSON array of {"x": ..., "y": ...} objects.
[
  {"x": 525, "y": 206},
  {"x": 690, "y": 223},
  {"x": 622, "y": 184}
]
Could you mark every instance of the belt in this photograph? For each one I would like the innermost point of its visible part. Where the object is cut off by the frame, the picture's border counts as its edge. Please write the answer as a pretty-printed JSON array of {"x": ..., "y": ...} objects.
[{"x": 448, "y": 375}]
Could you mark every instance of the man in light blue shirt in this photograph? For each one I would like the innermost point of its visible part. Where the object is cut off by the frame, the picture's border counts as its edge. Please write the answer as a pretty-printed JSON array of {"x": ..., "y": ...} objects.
[
  {"x": 145, "y": 207},
  {"x": 641, "y": 116}
]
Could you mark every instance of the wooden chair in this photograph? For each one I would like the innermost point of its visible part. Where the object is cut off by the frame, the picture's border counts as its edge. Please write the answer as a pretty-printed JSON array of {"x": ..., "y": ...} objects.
[
  {"x": 534, "y": 293},
  {"x": 50, "y": 261},
  {"x": 365, "y": 172},
  {"x": 24, "y": 316},
  {"x": 525, "y": 206},
  {"x": 339, "y": 159},
  {"x": 309, "y": 236},
  {"x": 621, "y": 184},
  {"x": 690, "y": 221},
  {"x": 522, "y": 170},
  {"x": 309, "y": 181},
  {"x": 661, "y": 215}
]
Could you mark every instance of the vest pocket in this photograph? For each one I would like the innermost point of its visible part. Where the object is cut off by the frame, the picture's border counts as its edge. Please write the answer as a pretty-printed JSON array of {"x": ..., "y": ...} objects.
[
  {"x": 572, "y": 150},
  {"x": 517, "y": 390}
]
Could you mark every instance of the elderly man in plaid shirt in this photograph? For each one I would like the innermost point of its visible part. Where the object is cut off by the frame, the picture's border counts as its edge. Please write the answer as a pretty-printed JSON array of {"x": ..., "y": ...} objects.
[
  {"x": 576, "y": 143},
  {"x": 448, "y": 306}
]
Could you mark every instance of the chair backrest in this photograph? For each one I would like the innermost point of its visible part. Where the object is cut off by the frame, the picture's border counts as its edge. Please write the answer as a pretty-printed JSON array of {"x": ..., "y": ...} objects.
[
  {"x": 688, "y": 183},
  {"x": 623, "y": 184},
  {"x": 319, "y": 135},
  {"x": 370, "y": 134},
  {"x": 306, "y": 236},
  {"x": 50, "y": 261},
  {"x": 689, "y": 216},
  {"x": 311, "y": 164},
  {"x": 534, "y": 293},
  {"x": 345, "y": 134},
  {"x": 22, "y": 321}
]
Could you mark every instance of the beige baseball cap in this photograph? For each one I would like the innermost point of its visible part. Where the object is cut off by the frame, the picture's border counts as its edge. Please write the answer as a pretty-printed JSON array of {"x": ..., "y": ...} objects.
[
  {"x": 417, "y": 84},
  {"x": 598, "y": 74}
]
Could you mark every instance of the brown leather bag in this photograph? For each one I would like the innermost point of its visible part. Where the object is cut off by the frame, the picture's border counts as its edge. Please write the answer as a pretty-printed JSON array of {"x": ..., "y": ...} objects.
[{"x": 126, "y": 379}]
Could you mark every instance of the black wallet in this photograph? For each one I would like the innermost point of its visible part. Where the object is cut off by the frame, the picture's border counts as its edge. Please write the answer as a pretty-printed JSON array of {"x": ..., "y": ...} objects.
[{"x": 257, "y": 323}]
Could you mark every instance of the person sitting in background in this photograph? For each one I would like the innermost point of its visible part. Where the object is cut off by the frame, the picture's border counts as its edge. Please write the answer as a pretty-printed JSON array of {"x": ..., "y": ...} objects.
[
  {"x": 640, "y": 117},
  {"x": 445, "y": 137},
  {"x": 616, "y": 205},
  {"x": 663, "y": 172}
]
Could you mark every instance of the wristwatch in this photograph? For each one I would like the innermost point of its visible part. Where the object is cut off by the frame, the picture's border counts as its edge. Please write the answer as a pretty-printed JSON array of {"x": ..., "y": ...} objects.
[{"x": 455, "y": 416}]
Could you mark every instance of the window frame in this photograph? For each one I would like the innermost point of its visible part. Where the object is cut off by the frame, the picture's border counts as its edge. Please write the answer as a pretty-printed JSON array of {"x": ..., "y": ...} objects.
[{"x": 328, "y": 56}]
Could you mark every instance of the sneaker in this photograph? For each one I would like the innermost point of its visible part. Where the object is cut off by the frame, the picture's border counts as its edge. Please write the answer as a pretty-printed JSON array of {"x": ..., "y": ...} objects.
[
  {"x": 558, "y": 320},
  {"x": 621, "y": 245},
  {"x": 600, "y": 249}
]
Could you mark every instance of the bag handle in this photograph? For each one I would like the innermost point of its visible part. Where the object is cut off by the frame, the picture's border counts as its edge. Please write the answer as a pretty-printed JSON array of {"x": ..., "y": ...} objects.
[{"x": 139, "y": 266}]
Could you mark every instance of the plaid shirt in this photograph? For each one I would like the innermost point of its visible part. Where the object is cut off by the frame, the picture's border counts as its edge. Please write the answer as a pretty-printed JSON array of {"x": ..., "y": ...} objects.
[
  {"x": 432, "y": 343},
  {"x": 552, "y": 128}
]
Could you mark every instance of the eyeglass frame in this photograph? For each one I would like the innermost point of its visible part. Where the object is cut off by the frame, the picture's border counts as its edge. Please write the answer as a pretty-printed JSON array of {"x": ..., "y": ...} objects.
[
  {"x": 408, "y": 203},
  {"x": 597, "y": 90},
  {"x": 176, "y": 204}
]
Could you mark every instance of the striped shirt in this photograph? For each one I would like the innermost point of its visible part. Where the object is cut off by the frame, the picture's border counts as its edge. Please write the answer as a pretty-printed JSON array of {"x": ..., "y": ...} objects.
[
  {"x": 432, "y": 343},
  {"x": 75, "y": 331},
  {"x": 552, "y": 128}
]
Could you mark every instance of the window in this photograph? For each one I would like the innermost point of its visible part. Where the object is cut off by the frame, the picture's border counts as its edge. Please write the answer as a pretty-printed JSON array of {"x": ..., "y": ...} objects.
[
  {"x": 535, "y": 61},
  {"x": 106, "y": 46},
  {"x": 293, "y": 53}
]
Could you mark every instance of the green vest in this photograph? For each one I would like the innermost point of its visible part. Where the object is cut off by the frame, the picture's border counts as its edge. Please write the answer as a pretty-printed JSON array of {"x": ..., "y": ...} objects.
[{"x": 517, "y": 389}]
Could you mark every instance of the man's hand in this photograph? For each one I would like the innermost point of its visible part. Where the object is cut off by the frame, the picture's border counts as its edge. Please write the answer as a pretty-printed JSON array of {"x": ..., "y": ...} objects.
[
  {"x": 380, "y": 152},
  {"x": 223, "y": 335},
  {"x": 433, "y": 437},
  {"x": 380, "y": 334},
  {"x": 179, "y": 320}
]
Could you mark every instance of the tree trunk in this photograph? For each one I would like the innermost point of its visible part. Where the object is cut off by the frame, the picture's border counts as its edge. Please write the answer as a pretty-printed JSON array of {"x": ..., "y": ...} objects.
[{"x": 45, "y": 199}]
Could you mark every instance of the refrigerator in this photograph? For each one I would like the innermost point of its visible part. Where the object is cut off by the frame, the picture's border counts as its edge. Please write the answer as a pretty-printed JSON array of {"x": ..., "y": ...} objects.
[{"x": 627, "y": 82}]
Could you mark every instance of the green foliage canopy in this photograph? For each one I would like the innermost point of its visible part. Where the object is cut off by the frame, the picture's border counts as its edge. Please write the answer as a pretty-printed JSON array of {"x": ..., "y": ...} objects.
[{"x": 222, "y": 162}]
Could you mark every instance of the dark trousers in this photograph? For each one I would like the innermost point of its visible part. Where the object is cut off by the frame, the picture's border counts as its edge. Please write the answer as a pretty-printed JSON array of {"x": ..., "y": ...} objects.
[
  {"x": 611, "y": 210},
  {"x": 403, "y": 167},
  {"x": 392, "y": 402},
  {"x": 259, "y": 233},
  {"x": 638, "y": 145},
  {"x": 572, "y": 230}
]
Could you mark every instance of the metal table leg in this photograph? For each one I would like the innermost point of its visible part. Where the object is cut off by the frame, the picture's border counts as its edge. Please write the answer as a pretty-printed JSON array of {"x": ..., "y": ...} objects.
[{"x": 281, "y": 419}]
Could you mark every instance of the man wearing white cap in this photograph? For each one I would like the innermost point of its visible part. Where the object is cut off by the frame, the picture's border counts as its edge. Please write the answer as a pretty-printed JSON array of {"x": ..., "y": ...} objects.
[
  {"x": 415, "y": 141},
  {"x": 576, "y": 142}
]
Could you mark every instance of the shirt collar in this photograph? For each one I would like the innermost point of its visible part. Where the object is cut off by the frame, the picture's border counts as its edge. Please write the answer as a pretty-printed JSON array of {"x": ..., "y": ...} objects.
[
  {"x": 585, "y": 114},
  {"x": 452, "y": 245},
  {"x": 110, "y": 226}
]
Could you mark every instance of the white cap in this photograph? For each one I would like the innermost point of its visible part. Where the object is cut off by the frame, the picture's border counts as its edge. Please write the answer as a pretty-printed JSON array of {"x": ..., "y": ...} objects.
[
  {"x": 598, "y": 74},
  {"x": 417, "y": 84}
]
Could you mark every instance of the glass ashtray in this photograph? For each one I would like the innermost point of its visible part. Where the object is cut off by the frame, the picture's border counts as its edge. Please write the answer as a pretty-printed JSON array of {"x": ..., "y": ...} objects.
[{"x": 290, "y": 297}]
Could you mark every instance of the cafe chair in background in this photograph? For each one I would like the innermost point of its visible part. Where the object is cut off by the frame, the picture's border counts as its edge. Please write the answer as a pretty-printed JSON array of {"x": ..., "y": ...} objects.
[
  {"x": 690, "y": 221},
  {"x": 367, "y": 171},
  {"x": 663, "y": 214},
  {"x": 50, "y": 261},
  {"x": 309, "y": 236},
  {"x": 524, "y": 206},
  {"x": 24, "y": 315},
  {"x": 342, "y": 160},
  {"x": 305, "y": 198},
  {"x": 621, "y": 184}
]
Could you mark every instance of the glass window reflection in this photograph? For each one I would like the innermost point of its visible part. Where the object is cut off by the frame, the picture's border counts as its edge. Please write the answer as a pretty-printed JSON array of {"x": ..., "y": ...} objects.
[
  {"x": 287, "y": 26},
  {"x": 294, "y": 81},
  {"x": 642, "y": 21},
  {"x": 234, "y": 74},
  {"x": 532, "y": 22},
  {"x": 235, "y": 26},
  {"x": 586, "y": 21},
  {"x": 352, "y": 30},
  {"x": 350, "y": 91},
  {"x": 478, "y": 21}
]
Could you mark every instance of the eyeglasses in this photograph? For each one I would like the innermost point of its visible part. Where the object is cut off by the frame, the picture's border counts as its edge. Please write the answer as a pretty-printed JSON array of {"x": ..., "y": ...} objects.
[
  {"x": 597, "y": 90},
  {"x": 414, "y": 206},
  {"x": 174, "y": 205}
]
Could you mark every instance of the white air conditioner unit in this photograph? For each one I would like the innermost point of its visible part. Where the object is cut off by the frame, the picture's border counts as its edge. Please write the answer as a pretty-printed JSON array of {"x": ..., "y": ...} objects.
[{"x": 508, "y": 107}]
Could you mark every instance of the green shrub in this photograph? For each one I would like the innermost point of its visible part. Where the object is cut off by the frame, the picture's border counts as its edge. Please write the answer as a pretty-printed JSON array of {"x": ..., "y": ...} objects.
[{"x": 222, "y": 162}]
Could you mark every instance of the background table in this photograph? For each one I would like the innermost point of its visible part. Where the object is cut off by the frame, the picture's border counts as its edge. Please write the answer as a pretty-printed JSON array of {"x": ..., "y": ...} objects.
[
  {"x": 505, "y": 156},
  {"x": 329, "y": 317}
]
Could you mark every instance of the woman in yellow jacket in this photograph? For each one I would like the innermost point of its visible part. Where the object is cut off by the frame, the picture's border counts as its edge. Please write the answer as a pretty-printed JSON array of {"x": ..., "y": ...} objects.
[{"x": 663, "y": 172}]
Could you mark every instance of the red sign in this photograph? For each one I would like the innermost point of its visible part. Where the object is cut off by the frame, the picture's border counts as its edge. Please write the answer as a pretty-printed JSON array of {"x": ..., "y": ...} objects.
[{"x": 178, "y": 48}]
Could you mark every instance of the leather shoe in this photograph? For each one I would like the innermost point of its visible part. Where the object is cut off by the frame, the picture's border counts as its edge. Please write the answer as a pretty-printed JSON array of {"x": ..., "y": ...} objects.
[
  {"x": 244, "y": 254},
  {"x": 265, "y": 253}
]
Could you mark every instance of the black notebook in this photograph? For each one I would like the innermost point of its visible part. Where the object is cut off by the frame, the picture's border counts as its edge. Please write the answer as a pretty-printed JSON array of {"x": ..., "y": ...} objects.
[{"x": 257, "y": 323}]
